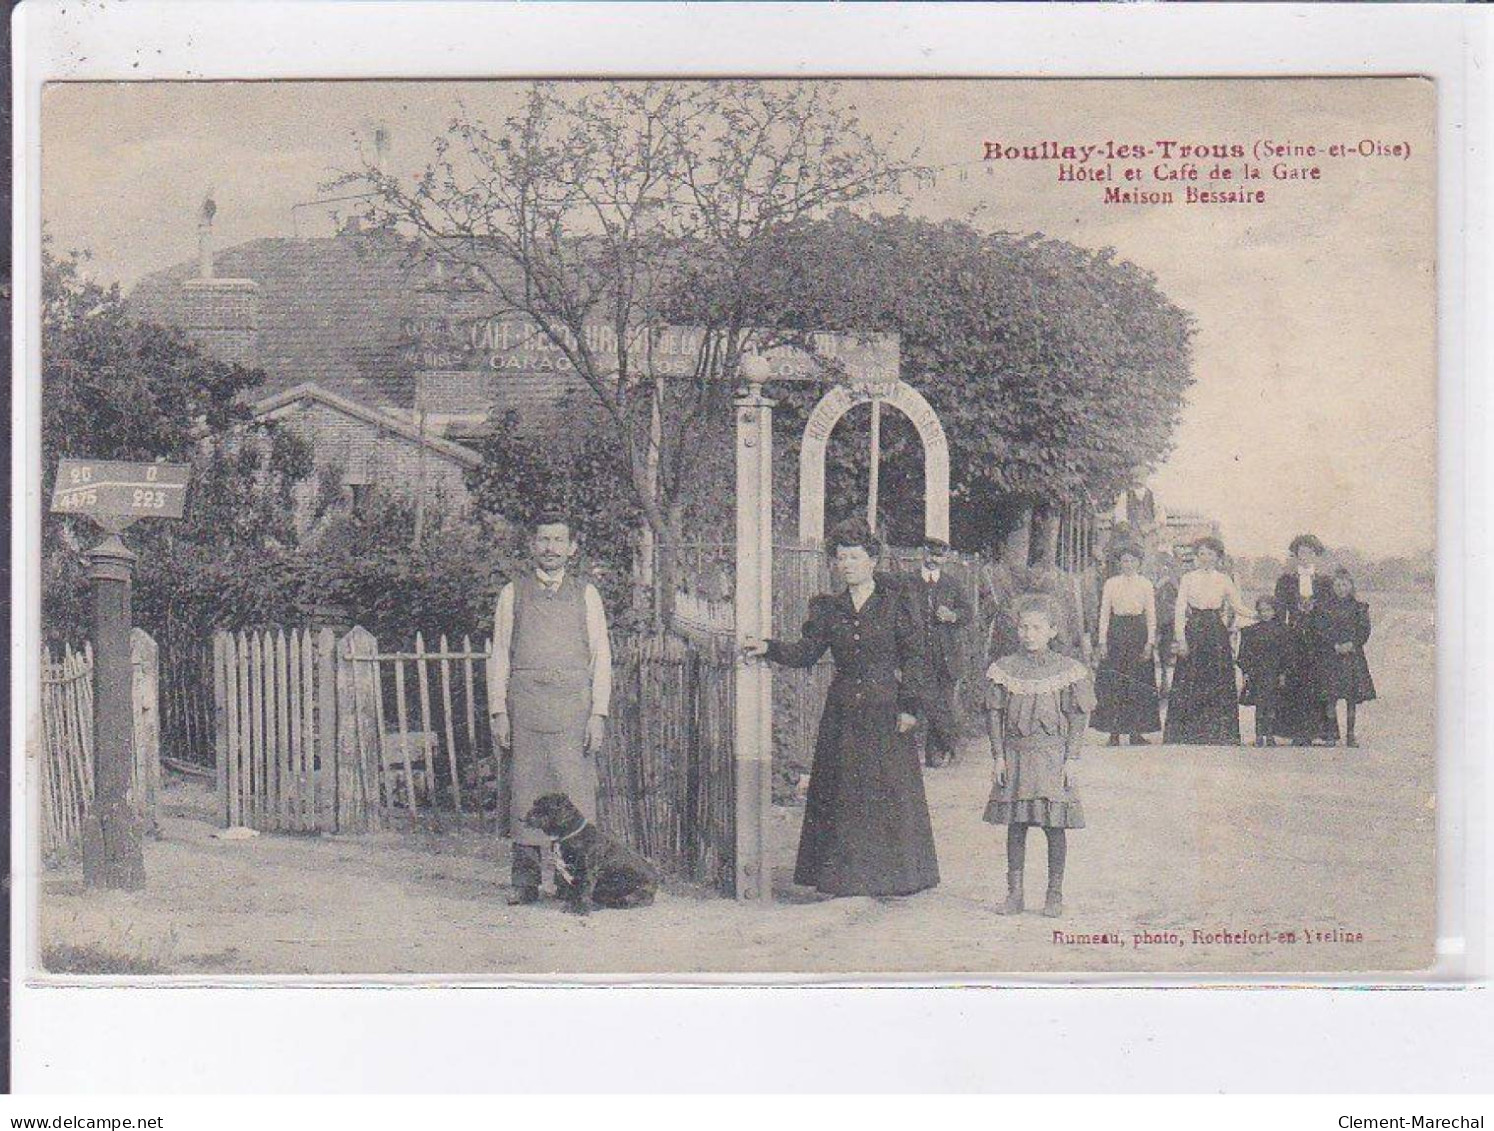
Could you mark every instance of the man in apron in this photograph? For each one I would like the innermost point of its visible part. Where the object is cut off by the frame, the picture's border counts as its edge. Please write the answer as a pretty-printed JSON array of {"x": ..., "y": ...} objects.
[{"x": 549, "y": 690}]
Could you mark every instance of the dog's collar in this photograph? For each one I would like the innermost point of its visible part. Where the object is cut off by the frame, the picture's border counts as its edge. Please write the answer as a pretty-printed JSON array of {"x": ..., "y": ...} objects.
[{"x": 574, "y": 831}]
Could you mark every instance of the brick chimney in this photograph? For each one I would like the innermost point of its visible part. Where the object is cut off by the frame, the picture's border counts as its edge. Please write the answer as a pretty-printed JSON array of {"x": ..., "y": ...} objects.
[
  {"x": 205, "y": 236},
  {"x": 221, "y": 315}
]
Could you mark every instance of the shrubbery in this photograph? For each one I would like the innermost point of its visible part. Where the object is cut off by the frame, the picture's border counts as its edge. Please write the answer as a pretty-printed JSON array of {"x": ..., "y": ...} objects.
[{"x": 362, "y": 564}]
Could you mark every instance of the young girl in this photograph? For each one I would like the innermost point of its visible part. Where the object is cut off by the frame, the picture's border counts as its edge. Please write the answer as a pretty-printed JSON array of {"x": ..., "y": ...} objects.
[
  {"x": 1340, "y": 626},
  {"x": 1037, "y": 706},
  {"x": 1265, "y": 649}
]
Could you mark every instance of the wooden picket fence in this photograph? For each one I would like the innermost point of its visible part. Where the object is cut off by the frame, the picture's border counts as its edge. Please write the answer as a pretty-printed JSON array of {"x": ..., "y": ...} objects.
[
  {"x": 698, "y": 617},
  {"x": 275, "y": 726},
  {"x": 66, "y": 769},
  {"x": 416, "y": 724},
  {"x": 667, "y": 778},
  {"x": 319, "y": 734}
]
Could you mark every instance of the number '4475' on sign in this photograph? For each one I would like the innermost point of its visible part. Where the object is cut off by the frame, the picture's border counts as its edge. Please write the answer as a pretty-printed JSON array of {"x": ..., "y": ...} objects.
[{"x": 108, "y": 488}]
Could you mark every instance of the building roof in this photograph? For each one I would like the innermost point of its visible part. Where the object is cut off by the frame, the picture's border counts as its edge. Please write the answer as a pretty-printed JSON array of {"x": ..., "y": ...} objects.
[
  {"x": 331, "y": 310},
  {"x": 1182, "y": 517},
  {"x": 278, "y": 403},
  {"x": 360, "y": 315},
  {"x": 337, "y": 312}
]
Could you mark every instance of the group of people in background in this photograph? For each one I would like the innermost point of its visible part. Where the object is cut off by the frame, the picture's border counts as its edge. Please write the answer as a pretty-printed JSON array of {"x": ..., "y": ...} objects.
[
  {"x": 898, "y": 643},
  {"x": 895, "y": 642},
  {"x": 1300, "y": 652}
]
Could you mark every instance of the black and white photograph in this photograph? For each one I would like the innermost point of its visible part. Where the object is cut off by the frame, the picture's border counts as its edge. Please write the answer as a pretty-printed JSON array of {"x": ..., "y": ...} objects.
[{"x": 802, "y": 528}]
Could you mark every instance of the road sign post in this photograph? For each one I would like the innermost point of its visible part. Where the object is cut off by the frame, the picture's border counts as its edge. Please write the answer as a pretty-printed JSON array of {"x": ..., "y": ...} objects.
[
  {"x": 113, "y": 849},
  {"x": 113, "y": 495}
]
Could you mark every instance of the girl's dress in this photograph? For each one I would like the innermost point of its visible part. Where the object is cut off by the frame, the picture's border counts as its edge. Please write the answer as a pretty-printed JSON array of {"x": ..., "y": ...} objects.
[
  {"x": 1044, "y": 699},
  {"x": 1265, "y": 650},
  {"x": 1203, "y": 707},
  {"x": 1126, "y": 679},
  {"x": 1167, "y": 598},
  {"x": 1345, "y": 675},
  {"x": 866, "y": 820}
]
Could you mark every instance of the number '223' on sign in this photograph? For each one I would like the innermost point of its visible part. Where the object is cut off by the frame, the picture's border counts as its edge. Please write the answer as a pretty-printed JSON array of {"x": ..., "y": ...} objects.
[{"x": 112, "y": 489}]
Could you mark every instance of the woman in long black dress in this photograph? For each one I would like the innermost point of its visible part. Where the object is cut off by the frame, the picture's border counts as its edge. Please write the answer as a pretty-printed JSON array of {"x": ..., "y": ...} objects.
[
  {"x": 1126, "y": 678},
  {"x": 1306, "y": 715},
  {"x": 866, "y": 821},
  {"x": 1203, "y": 707}
]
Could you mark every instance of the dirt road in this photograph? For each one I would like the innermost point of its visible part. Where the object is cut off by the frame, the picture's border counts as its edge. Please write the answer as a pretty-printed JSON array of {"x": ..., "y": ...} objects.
[{"x": 1334, "y": 845}]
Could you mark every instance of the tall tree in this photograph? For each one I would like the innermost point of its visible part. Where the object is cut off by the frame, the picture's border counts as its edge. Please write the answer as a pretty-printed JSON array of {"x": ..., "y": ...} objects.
[
  {"x": 525, "y": 473},
  {"x": 114, "y": 386},
  {"x": 590, "y": 211},
  {"x": 117, "y": 387},
  {"x": 1056, "y": 371}
]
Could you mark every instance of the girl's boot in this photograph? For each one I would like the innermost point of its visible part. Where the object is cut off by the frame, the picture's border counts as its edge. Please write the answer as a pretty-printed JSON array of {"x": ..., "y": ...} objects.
[
  {"x": 1013, "y": 904},
  {"x": 1053, "y": 904},
  {"x": 1058, "y": 854}
]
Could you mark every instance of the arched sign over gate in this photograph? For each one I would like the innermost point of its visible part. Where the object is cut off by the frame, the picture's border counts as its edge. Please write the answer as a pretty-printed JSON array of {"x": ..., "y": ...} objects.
[{"x": 835, "y": 404}]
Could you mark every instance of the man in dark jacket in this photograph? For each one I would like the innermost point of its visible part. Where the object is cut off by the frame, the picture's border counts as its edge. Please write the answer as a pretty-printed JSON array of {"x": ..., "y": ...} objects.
[{"x": 944, "y": 613}]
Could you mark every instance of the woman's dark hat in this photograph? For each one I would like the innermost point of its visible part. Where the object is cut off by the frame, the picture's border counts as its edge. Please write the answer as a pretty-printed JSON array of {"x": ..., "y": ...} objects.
[
  {"x": 1306, "y": 541},
  {"x": 853, "y": 532}
]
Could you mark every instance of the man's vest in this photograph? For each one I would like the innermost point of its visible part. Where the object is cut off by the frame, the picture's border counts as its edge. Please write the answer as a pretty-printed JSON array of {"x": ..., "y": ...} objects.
[{"x": 550, "y": 655}]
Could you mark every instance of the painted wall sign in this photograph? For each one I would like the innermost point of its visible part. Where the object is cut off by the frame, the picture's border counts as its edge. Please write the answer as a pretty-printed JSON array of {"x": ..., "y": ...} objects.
[{"x": 516, "y": 345}]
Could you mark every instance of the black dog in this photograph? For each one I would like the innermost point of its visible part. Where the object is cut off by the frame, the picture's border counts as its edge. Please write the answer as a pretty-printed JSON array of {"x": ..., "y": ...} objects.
[{"x": 602, "y": 871}]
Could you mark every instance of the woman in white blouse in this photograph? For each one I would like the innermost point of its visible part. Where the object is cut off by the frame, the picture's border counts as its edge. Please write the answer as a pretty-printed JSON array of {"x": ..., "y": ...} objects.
[
  {"x": 1203, "y": 706},
  {"x": 1126, "y": 677}
]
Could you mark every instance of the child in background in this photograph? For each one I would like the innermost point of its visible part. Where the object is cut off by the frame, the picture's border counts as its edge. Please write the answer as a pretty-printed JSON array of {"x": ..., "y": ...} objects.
[
  {"x": 1340, "y": 626},
  {"x": 1264, "y": 649},
  {"x": 1169, "y": 568},
  {"x": 1037, "y": 707}
]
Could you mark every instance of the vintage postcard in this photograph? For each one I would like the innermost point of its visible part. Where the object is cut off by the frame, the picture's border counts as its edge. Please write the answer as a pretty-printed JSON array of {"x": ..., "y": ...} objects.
[{"x": 821, "y": 528}]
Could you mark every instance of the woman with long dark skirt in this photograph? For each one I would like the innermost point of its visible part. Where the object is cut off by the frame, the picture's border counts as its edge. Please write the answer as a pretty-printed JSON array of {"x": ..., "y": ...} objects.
[
  {"x": 1126, "y": 677},
  {"x": 866, "y": 820},
  {"x": 1307, "y": 716},
  {"x": 1203, "y": 707}
]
